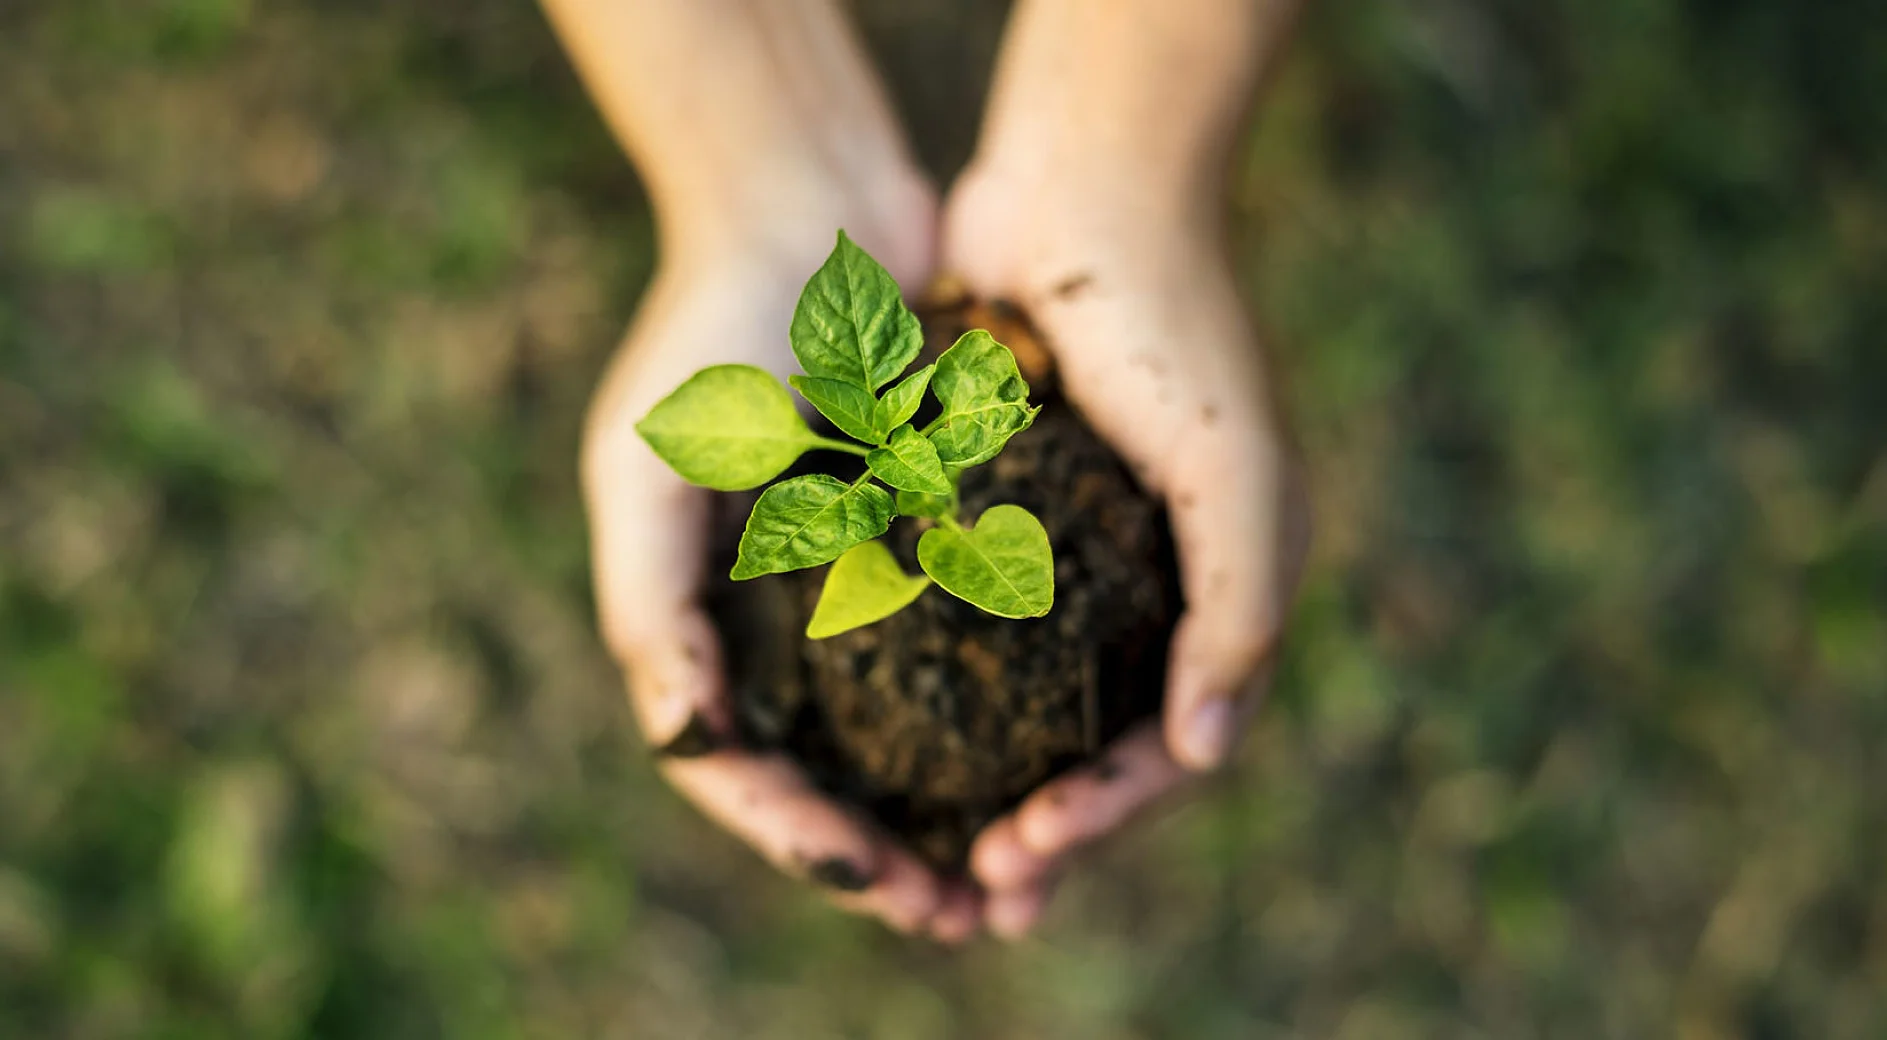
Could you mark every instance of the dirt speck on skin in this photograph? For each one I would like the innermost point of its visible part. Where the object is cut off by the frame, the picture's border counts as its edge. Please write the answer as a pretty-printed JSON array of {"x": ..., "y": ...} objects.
[
  {"x": 1073, "y": 285},
  {"x": 940, "y": 718},
  {"x": 695, "y": 740},
  {"x": 837, "y": 873}
]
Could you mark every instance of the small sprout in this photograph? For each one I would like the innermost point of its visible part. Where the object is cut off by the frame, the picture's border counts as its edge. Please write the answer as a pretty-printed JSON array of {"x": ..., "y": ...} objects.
[{"x": 734, "y": 427}]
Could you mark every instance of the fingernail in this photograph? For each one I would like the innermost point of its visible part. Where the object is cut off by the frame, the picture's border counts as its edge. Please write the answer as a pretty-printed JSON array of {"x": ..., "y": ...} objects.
[{"x": 1207, "y": 737}]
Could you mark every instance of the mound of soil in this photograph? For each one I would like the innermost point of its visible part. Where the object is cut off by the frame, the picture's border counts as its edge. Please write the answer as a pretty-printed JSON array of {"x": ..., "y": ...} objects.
[{"x": 940, "y": 718}]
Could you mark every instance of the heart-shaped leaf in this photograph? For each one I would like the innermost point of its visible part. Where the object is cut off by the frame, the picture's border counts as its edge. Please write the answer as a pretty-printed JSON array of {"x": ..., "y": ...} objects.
[
  {"x": 729, "y": 427},
  {"x": 807, "y": 521},
  {"x": 850, "y": 408},
  {"x": 864, "y": 585},
  {"x": 851, "y": 323},
  {"x": 908, "y": 462},
  {"x": 985, "y": 400},
  {"x": 900, "y": 402},
  {"x": 1003, "y": 565}
]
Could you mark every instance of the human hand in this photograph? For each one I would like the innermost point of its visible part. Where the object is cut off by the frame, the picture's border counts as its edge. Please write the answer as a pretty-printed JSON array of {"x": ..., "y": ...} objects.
[
  {"x": 730, "y": 301},
  {"x": 1136, "y": 303}
]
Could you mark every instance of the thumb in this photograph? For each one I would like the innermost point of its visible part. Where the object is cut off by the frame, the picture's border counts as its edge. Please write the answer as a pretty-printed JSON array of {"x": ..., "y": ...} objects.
[
  {"x": 1242, "y": 532},
  {"x": 648, "y": 533}
]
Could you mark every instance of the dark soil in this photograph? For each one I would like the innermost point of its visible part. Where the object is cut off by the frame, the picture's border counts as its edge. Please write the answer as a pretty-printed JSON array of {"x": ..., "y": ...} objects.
[{"x": 940, "y": 718}]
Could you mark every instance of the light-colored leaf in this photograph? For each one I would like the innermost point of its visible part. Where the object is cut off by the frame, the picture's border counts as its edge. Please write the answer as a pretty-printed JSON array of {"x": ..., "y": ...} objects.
[
  {"x": 908, "y": 462},
  {"x": 917, "y": 503},
  {"x": 1003, "y": 565},
  {"x": 864, "y": 585},
  {"x": 729, "y": 427},
  {"x": 900, "y": 402},
  {"x": 985, "y": 400},
  {"x": 851, "y": 323},
  {"x": 807, "y": 521},
  {"x": 850, "y": 408}
]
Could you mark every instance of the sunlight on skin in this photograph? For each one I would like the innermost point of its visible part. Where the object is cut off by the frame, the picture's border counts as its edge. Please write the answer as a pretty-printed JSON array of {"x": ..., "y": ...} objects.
[
  {"x": 1099, "y": 168},
  {"x": 1094, "y": 203},
  {"x": 749, "y": 172}
]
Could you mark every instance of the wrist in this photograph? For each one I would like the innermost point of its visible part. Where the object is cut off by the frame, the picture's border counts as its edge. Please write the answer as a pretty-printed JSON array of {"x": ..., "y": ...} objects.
[
  {"x": 1031, "y": 230},
  {"x": 785, "y": 213},
  {"x": 1094, "y": 186}
]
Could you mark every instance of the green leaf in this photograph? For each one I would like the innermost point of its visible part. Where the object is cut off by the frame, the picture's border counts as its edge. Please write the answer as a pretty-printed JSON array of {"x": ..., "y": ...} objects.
[
  {"x": 917, "y": 503},
  {"x": 807, "y": 521},
  {"x": 849, "y": 408},
  {"x": 729, "y": 427},
  {"x": 908, "y": 462},
  {"x": 985, "y": 400},
  {"x": 865, "y": 585},
  {"x": 1003, "y": 565},
  {"x": 900, "y": 402},
  {"x": 851, "y": 323}
]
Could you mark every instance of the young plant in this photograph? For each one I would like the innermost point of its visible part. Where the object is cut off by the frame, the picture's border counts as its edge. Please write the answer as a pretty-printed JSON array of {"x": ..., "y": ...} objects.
[{"x": 734, "y": 427}]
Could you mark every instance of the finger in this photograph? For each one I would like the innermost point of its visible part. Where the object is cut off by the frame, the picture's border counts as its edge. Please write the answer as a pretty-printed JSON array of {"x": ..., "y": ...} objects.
[
  {"x": 648, "y": 534},
  {"x": 906, "y": 894},
  {"x": 766, "y": 801},
  {"x": 1011, "y": 915},
  {"x": 1094, "y": 800},
  {"x": 1001, "y": 861},
  {"x": 1242, "y": 532},
  {"x": 958, "y": 915},
  {"x": 678, "y": 688}
]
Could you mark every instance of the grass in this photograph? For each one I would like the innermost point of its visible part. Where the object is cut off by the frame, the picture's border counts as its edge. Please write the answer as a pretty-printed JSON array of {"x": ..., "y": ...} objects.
[{"x": 303, "y": 730}]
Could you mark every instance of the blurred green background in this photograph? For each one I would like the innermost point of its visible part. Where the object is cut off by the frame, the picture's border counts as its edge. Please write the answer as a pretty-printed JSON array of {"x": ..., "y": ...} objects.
[{"x": 1583, "y": 731}]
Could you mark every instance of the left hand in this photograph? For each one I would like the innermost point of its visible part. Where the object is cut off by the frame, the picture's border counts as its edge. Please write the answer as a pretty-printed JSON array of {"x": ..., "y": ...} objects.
[{"x": 1139, "y": 308}]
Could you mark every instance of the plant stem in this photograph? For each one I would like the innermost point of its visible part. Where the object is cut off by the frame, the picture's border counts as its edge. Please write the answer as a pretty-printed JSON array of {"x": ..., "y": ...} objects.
[
  {"x": 847, "y": 446},
  {"x": 951, "y": 523}
]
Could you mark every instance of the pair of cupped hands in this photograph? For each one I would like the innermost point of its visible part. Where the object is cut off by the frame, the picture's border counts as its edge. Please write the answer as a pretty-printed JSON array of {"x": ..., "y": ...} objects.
[{"x": 1135, "y": 299}]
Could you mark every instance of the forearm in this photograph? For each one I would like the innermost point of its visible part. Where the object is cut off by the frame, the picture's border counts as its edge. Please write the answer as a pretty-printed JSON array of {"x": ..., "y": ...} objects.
[
  {"x": 741, "y": 113},
  {"x": 1143, "y": 99}
]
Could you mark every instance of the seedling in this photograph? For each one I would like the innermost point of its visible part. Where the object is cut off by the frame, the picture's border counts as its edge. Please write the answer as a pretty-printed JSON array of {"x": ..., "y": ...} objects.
[{"x": 735, "y": 427}]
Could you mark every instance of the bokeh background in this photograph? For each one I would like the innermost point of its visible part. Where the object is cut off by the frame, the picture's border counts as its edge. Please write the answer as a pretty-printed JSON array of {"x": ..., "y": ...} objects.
[{"x": 1583, "y": 731}]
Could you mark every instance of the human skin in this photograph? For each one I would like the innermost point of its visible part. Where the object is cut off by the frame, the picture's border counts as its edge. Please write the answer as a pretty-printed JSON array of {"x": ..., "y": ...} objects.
[
  {"x": 758, "y": 129},
  {"x": 1094, "y": 201}
]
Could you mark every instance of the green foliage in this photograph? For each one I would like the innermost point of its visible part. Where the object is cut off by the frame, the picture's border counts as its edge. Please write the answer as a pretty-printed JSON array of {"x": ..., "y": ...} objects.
[
  {"x": 1002, "y": 565},
  {"x": 851, "y": 408},
  {"x": 851, "y": 324},
  {"x": 733, "y": 427},
  {"x": 900, "y": 402},
  {"x": 807, "y": 521},
  {"x": 729, "y": 427},
  {"x": 864, "y": 585},
  {"x": 918, "y": 503},
  {"x": 1577, "y": 730},
  {"x": 908, "y": 462},
  {"x": 985, "y": 401}
]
